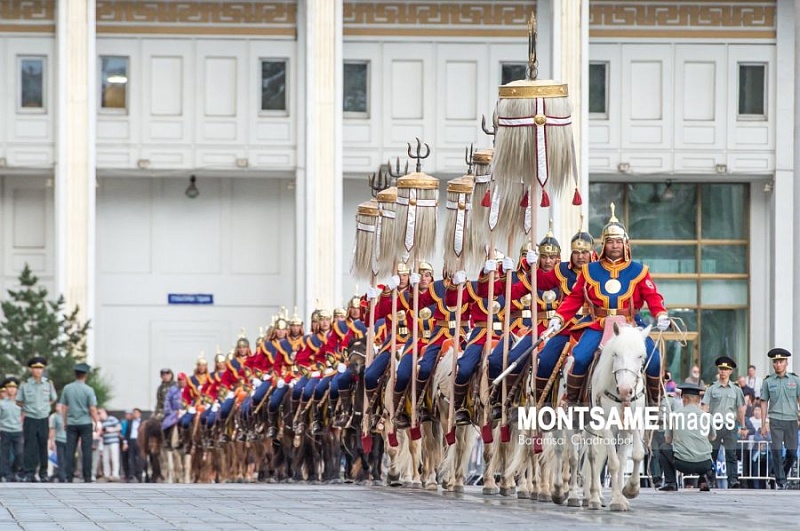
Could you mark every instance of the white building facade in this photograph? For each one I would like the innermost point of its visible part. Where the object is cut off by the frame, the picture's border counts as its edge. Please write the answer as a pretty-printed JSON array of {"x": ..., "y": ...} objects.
[{"x": 685, "y": 117}]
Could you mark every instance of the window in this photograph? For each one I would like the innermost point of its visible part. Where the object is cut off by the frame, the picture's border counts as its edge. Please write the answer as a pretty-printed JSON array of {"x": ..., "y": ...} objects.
[
  {"x": 694, "y": 238},
  {"x": 752, "y": 91},
  {"x": 31, "y": 87},
  {"x": 598, "y": 90},
  {"x": 356, "y": 89},
  {"x": 513, "y": 72},
  {"x": 273, "y": 85},
  {"x": 113, "y": 83}
]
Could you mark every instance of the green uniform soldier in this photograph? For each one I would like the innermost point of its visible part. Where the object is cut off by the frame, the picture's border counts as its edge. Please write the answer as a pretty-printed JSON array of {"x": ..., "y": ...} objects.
[
  {"x": 36, "y": 397},
  {"x": 167, "y": 381},
  {"x": 780, "y": 395},
  {"x": 79, "y": 408},
  {"x": 724, "y": 401},
  {"x": 688, "y": 437},
  {"x": 10, "y": 432}
]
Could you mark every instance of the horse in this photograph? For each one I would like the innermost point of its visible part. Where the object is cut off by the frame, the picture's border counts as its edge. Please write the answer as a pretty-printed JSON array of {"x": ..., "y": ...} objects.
[
  {"x": 617, "y": 383},
  {"x": 151, "y": 439}
]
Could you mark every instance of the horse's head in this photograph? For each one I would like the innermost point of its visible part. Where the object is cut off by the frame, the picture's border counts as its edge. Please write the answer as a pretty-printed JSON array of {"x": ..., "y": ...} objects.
[
  {"x": 355, "y": 355},
  {"x": 627, "y": 353}
]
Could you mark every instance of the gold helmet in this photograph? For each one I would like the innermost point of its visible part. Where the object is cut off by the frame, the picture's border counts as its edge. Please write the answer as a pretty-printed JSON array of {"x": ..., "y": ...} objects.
[
  {"x": 615, "y": 230},
  {"x": 219, "y": 358},
  {"x": 242, "y": 341},
  {"x": 295, "y": 320},
  {"x": 402, "y": 269},
  {"x": 582, "y": 241},
  {"x": 201, "y": 359},
  {"x": 549, "y": 246},
  {"x": 339, "y": 312},
  {"x": 281, "y": 324},
  {"x": 324, "y": 314},
  {"x": 425, "y": 266},
  {"x": 355, "y": 302}
]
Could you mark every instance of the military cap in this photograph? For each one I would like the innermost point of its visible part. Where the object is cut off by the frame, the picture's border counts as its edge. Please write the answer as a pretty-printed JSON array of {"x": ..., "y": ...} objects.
[
  {"x": 11, "y": 381},
  {"x": 779, "y": 354},
  {"x": 37, "y": 362},
  {"x": 691, "y": 389},
  {"x": 82, "y": 368},
  {"x": 724, "y": 362}
]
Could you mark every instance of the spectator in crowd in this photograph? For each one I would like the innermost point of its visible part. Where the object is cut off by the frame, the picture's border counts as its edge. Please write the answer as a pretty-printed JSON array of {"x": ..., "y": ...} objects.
[
  {"x": 687, "y": 448},
  {"x": 750, "y": 402},
  {"x": 124, "y": 451},
  {"x": 752, "y": 381},
  {"x": 79, "y": 410},
  {"x": 10, "y": 432},
  {"x": 754, "y": 462},
  {"x": 742, "y": 383},
  {"x": 97, "y": 447},
  {"x": 780, "y": 396},
  {"x": 131, "y": 435},
  {"x": 694, "y": 377},
  {"x": 36, "y": 398},
  {"x": 669, "y": 384},
  {"x": 58, "y": 442},
  {"x": 111, "y": 433}
]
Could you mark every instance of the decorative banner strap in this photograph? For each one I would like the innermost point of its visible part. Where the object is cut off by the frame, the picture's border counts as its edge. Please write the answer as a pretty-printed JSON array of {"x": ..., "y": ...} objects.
[
  {"x": 540, "y": 121},
  {"x": 376, "y": 247},
  {"x": 411, "y": 224},
  {"x": 463, "y": 208},
  {"x": 483, "y": 179},
  {"x": 364, "y": 227},
  {"x": 526, "y": 224},
  {"x": 494, "y": 210}
]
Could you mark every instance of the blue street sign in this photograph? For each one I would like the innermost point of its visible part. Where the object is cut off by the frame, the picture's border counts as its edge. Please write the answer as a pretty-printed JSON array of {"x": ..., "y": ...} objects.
[{"x": 190, "y": 298}]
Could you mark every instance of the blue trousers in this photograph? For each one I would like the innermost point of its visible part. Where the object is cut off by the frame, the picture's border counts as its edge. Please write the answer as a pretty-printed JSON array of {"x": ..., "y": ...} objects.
[
  {"x": 322, "y": 386},
  {"x": 299, "y": 386},
  {"x": 261, "y": 391},
  {"x": 424, "y": 369},
  {"x": 343, "y": 380},
  {"x": 590, "y": 340},
  {"x": 550, "y": 354},
  {"x": 277, "y": 398},
  {"x": 226, "y": 408},
  {"x": 185, "y": 422},
  {"x": 247, "y": 407},
  {"x": 468, "y": 362},
  {"x": 496, "y": 356},
  {"x": 204, "y": 417},
  {"x": 376, "y": 369},
  {"x": 310, "y": 387}
]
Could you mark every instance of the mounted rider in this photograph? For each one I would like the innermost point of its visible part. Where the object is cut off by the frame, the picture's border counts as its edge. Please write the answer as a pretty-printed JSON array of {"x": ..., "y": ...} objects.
[{"x": 615, "y": 285}]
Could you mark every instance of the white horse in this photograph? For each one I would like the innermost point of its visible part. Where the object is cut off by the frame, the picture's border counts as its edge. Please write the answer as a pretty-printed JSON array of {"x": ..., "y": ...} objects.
[{"x": 617, "y": 383}]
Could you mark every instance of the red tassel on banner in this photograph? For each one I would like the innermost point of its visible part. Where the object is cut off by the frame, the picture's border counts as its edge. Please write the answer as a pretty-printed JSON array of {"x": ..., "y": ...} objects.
[
  {"x": 525, "y": 200},
  {"x": 577, "y": 200},
  {"x": 545, "y": 199},
  {"x": 487, "y": 199}
]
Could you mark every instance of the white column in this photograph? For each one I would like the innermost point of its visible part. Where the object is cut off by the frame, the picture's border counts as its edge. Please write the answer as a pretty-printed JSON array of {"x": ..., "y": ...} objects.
[
  {"x": 570, "y": 51},
  {"x": 786, "y": 9},
  {"x": 75, "y": 167},
  {"x": 323, "y": 152}
]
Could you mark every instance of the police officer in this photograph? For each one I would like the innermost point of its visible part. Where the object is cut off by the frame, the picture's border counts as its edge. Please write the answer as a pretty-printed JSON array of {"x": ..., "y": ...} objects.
[
  {"x": 780, "y": 395},
  {"x": 688, "y": 441},
  {"x": 725, "y": 400},
  {"x": 36, "y": 396},
  {"x": 79, "y": 409}
]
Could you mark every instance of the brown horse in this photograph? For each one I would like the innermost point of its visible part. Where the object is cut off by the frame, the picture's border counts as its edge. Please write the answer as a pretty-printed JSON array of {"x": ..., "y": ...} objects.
[{"x": 151, "y": 443}]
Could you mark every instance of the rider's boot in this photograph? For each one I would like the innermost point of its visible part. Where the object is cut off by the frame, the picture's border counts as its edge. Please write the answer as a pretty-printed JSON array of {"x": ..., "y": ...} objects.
[
  {"x": 653, "y": 389},
  {"x": 460, "y": 399},
  {"x": 422, "y": 406},
  {"x": 541, "y": 384},
  {"x": 316, "y": 426},
  {"x": 574, "y": 386},
  {"x": 345, "y": 407},
  {"x": 272, "y": 432},
  {"x": 401, "y": 418}
]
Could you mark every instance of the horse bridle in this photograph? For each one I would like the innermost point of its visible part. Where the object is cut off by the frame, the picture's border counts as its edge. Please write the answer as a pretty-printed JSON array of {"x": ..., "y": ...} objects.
[{"x": 637, "y": 374}]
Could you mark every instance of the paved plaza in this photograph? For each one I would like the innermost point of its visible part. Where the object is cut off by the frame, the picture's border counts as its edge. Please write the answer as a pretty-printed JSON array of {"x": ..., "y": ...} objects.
[{"x": 348, "y": 507}]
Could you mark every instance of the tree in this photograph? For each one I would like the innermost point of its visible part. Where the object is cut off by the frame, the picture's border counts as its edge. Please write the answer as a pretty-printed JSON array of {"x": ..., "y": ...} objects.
[{"x": 33, "y": 325}]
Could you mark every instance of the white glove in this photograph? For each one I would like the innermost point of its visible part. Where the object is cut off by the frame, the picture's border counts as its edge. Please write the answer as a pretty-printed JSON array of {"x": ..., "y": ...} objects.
[
  {"x": 266, "y": 377},
  {"x": 508, "y": 264},
  {"x": 372, "y": 293},
  {"x": 489, "y": 266},
  {"x": 281, "y": 384},
  {"x": 553, "y": 326},
  {"x": 229, "y": 395},
  {"x": 414, "y": 279},
  {"x": 215, "y": 407},
  {"x": 342, "y": 368},
  {"x": 532, "y": 256},
  {"x": 663, "y": 322},
  {"x": 315, "y": 374},
  {"x": 459, "y": 277},
  {"x": 192, "y": 410},
  {"x": 256, "y": 382},
  {"x": 393, "y": 282}
]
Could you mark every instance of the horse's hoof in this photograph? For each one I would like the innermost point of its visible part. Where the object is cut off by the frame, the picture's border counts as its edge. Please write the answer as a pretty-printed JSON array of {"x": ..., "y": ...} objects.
[
  {"x": 558, "y": 499},
  {"x": 573, "y": 502},
  {"x": 594, "y": 506},
  {"x": 334, "y": 481},
  {"x": 458, "y": 489},
  {"x": 432, "y": 486},
  {"x": 523, "y": 495},
  {"x": 618, "y": 507},
  {"x": 269, "y": 480},
  {"x": 377, "y": 483},
  {"x": 414, "y": 485},
  {"x": 507, "y": 491},
  {"x": 630, "y": 491},
  {"x": 585, "y": 503},
  {"x": 348, "y": 481},
  {"x": 490, "y": 491},
  {"x": 543, "y": 497}
]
